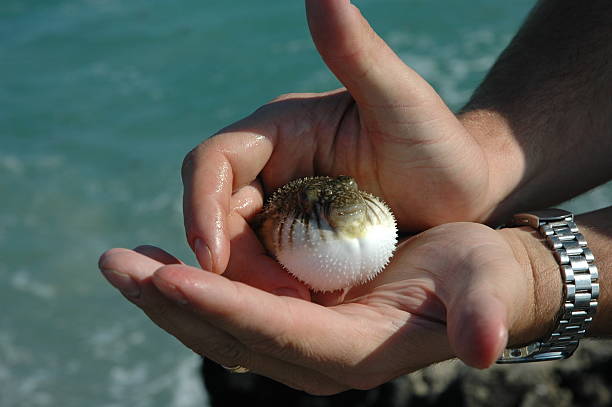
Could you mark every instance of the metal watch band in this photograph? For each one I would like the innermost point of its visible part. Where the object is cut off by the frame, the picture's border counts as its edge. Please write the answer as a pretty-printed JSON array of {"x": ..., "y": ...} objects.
[{"x": 580, "y": 287}]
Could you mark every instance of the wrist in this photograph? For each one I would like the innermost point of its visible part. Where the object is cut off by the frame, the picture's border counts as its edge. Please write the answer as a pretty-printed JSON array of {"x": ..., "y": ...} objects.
[{"x": 537, "y": 318}]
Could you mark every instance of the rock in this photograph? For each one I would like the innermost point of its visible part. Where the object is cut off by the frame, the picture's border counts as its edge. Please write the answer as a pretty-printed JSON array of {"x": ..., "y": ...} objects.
[{"x": 583, "y": 380}]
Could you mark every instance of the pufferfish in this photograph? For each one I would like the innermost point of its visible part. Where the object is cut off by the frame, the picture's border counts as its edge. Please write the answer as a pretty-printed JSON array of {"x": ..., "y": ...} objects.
[{"x": 328, "y": 233}]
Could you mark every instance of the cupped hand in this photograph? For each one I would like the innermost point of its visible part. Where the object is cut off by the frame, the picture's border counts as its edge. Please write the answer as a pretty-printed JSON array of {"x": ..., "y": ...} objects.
[
  {"x": 388, "y": 129},
  {"x": 455, "y": 290}
]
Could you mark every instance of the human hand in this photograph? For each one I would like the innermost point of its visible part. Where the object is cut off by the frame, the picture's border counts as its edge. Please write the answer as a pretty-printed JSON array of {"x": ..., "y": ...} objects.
[
  {"x": 389, "y": 130},
  {"x": 458, "y": 289}
]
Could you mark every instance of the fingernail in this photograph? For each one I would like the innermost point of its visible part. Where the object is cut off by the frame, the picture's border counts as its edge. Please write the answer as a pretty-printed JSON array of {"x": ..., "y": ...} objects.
[
  {"x": 203, "y": 254},
  {"x": 122, "y": 282},
  {"x": 287, "y": 292}
]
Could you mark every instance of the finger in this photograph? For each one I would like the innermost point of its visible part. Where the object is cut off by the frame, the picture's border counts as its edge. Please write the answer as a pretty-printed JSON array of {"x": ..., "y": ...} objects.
[
  {"x": 166, "y": 313},
  {"x": 211, "y": 172},
  {"x": 216, "y": 344},
  {"x": 405, "y": 119},
  {"x": 251, "y": 264},
  {"x": 157, "y": 254},
  {"x": 197, "y": 334},
  {"x": 128, "y": 270},
  {"x": 222, "y": 165},
  {"x": 223, "y": 301},
  {"x": 481, "y": 295},
  {"x": 207, "y": 181},
  {"x": 478, "y": 327},
  {"x": 256, "y": 318},
  {"x": 249, "y": 261},
  {"x": 361, "y": 60},
  {"x": 248, "y": 200},
  {"x": 348, "y": 345}
]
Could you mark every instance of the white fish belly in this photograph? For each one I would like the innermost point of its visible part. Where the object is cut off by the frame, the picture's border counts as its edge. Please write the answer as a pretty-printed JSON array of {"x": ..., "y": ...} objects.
[{"x": 327, "y": 261}]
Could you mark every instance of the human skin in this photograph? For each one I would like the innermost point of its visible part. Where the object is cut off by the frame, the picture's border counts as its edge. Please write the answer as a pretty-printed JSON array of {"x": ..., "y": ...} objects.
[
  {"x": 391, "y": 131},
  {"x": 549, "y": 93},
  {"x": 458, "y": 289}
]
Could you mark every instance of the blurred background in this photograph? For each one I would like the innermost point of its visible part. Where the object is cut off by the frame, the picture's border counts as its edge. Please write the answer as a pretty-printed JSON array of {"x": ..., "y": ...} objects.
[{"x": 99, "y": 102}]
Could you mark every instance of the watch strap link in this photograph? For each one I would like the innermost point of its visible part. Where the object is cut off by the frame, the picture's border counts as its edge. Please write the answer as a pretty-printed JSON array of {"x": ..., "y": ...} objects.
[{"x": 580, "y": 287}]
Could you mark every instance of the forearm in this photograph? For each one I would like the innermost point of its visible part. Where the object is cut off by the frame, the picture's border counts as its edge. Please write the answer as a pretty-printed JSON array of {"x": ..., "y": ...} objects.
[
  {"x": 543, "y": 114},
  {"x": 538, "y": 260}
]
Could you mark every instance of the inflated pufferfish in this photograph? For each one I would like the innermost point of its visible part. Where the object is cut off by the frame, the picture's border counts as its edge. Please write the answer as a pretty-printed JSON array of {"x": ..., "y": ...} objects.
[{"x": 328, "y": 233}]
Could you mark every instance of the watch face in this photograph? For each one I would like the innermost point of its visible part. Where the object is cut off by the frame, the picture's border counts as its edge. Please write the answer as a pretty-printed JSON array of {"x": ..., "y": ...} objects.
[{"x": 535, "y": 218}]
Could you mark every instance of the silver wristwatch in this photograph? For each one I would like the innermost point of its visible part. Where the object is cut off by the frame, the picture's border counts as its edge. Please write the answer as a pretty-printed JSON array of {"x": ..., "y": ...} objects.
[{"x": 580, "y": 287}]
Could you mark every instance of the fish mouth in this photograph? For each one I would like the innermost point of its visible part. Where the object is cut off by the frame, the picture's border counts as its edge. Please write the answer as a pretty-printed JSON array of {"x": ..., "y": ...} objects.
[{"x": 346, "y": 215}]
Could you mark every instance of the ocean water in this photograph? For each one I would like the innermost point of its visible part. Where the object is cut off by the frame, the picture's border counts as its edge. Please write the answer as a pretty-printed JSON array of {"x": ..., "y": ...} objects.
[{"x": 99, "y": 102}]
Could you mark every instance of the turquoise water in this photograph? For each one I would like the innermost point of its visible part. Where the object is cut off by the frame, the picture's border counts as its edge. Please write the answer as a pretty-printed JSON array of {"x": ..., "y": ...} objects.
[{"x": 99, "y": 102}]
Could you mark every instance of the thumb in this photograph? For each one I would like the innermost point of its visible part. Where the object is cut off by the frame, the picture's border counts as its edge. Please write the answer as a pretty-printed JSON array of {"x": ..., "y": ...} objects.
[
  {"x": 485, "y": 282},
  {"x": 360, "y": 59},
  {"x": 477, "y": 328},
  {"x": 484, "y": 299}
]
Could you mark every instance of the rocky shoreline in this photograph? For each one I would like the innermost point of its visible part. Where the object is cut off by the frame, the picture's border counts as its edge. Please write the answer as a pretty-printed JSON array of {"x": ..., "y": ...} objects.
[{"x": 583, "y": 380}]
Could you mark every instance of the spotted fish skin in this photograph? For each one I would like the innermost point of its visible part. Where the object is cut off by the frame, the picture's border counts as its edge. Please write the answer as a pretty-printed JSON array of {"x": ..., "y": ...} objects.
[{"x": 328, "y": 233}]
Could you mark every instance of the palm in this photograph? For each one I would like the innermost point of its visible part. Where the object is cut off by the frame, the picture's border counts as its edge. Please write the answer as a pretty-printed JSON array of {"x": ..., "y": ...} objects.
[
  {"x": 386, "y": 318},
  {"x": 389, "y": 130},
  {"x": 415, "y": 166},
  {"x": 437, "y": 298}
]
